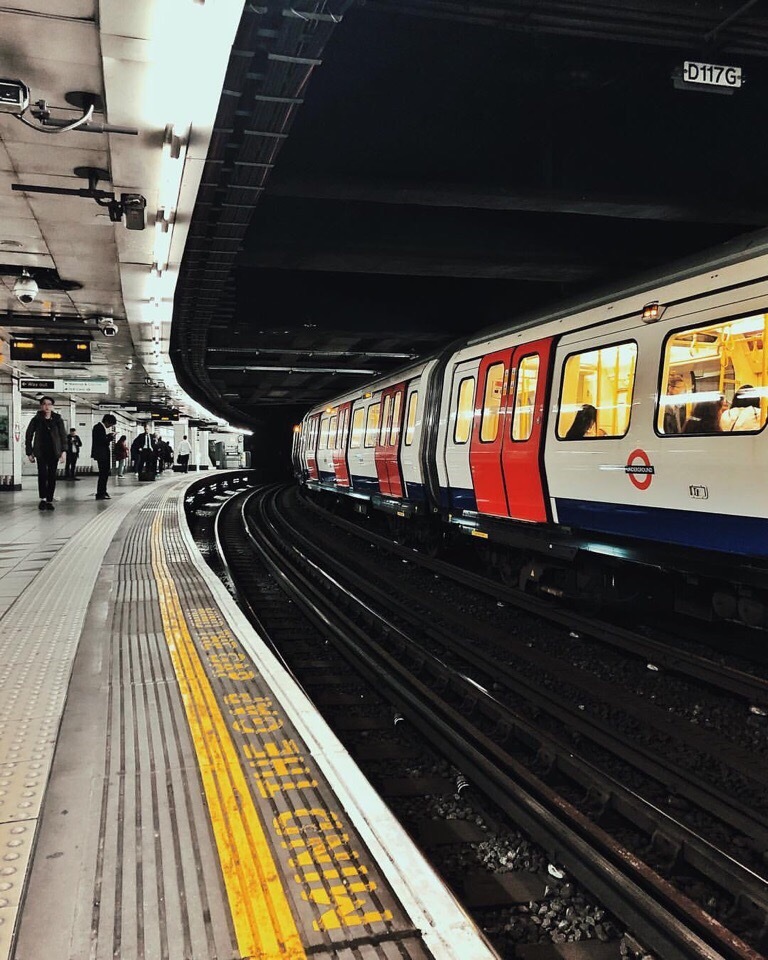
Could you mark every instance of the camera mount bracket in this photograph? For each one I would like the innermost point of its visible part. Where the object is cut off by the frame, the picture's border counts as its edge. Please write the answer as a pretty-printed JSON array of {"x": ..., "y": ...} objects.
[{"x": 130, "y": 205}]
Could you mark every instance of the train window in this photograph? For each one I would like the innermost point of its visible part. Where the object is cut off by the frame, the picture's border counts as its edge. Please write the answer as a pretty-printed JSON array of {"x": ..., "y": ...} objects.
[
  {"x": 464, "y": 410},
  {"x": 386, "y": 420},
  {"x": 494, "y": 387},
  {"x": 525, "y": 397},
  {"x": 372, "y": 424},
  {"x": 358, "y": 421},
  {"x": 714, "y": 378},
  {"x": 410, "y": 421},
  {"x": 323, "y": 445},
  {"x": 332, "y": 432},
  {"x": 394, "y": 432},
  {"x": 344, "y": 429},
  {"x": 596, "y": 397}
]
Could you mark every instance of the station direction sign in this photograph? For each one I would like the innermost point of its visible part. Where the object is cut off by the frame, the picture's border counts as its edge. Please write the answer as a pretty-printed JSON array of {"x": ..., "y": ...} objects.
[
  {"x": 66, "y": 385},
  {"x": 37, "y": 384}
]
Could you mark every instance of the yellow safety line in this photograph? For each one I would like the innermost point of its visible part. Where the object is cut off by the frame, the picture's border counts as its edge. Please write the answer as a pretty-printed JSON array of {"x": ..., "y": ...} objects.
[{"x": 263, "y": 922}]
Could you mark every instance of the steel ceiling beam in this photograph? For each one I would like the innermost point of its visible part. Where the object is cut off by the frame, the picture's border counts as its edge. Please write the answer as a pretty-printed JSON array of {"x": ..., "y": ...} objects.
[{"x": 482, "y": 197}]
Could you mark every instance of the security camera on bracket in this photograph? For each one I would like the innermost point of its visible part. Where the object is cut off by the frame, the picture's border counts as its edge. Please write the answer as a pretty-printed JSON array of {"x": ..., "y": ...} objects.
[
  {"x": 14, "y": 99},
  {"x": 130, "y": 205}
]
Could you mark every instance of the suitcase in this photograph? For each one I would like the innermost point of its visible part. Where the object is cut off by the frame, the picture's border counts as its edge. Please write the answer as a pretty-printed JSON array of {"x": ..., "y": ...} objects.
[{"x": 146, "y": 474}]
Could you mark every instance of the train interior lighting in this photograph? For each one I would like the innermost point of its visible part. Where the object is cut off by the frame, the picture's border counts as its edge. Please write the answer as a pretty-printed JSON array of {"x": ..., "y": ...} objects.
[
  {"x": 603, "y": 379},
  {"x": 712, "y": 363}
]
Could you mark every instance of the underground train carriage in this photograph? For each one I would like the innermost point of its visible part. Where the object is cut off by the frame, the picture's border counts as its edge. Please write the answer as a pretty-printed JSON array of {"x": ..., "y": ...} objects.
[{"x": 579, "y": 452}]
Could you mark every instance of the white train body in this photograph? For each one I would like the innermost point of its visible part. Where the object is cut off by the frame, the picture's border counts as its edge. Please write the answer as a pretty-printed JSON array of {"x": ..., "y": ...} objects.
[{"x": 489, "y": 435}]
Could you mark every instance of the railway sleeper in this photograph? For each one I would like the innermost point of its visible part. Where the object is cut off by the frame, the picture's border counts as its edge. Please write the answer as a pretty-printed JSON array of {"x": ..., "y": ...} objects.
[
  {"x": 667, "y": 847},
  {"x": 756, "y": 917}
]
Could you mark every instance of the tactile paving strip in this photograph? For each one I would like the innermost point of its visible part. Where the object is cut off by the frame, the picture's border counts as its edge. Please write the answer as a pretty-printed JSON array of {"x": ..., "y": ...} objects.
[
  {"x": 336, "y": 891},
  {"x": 38, "y": 641}
]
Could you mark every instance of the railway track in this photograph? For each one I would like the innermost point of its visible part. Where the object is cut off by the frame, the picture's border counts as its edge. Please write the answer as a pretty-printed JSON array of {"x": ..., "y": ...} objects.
[{"x": 523, "y": 760}]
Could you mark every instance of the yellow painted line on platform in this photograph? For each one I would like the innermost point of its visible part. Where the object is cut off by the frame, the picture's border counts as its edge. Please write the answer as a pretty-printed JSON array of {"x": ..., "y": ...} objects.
[{"x": 262, "y": 918}]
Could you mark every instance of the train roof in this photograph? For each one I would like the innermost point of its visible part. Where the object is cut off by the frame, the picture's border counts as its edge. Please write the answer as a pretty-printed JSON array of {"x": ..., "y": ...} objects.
[{"x": 630, "y": 294}]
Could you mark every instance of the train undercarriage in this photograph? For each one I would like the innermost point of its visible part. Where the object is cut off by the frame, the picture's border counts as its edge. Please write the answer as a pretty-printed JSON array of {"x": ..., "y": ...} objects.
[{"x": 587, "y": 570}]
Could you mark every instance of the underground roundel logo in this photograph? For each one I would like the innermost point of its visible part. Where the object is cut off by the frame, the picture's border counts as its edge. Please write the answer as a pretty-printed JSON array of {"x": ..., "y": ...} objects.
[{"x": 639, "y": 469}]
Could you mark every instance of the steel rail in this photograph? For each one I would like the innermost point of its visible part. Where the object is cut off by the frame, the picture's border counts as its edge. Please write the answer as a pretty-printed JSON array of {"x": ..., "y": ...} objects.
[
  {"x": 663, "y": 918},
  {"x": 751, "y": 688},
  {"x": 704, "y": 856}
]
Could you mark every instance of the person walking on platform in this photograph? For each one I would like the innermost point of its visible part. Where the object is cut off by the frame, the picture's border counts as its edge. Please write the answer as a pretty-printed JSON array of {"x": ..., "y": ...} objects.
[
  {"x": 185, "y": 450},
  {"x": 144, "y": 452},
  {"x": 159, "y": 454},
  {"x": 73, "y": 452},
  {"x": 45, "y": 442},
  {"x": 102, "y": 437},
  {"x": 121, "y": 456}
]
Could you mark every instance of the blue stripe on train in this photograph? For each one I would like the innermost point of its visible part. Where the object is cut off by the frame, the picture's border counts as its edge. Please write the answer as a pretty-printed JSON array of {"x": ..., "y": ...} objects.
[
  {"x": 747, "y": 536},
  {"x": 369, "y": 485},
  {"x": 457, "y": 498},
  {"x": 365, "y": 484},
  {"x": 415, "y": 491}
]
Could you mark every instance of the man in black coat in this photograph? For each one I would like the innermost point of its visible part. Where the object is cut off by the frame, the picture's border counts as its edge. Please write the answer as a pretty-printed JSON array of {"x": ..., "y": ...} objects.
[
  {"x": 102, "y": 438},
  {"x": 45, "y": 441},
  {"x": 144, "y": 454},
  {"x": 73, "y": 452}
]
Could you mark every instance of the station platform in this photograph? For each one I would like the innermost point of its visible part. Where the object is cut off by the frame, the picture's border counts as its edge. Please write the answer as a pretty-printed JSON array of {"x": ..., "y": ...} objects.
[{"x": 166, "y": 790}]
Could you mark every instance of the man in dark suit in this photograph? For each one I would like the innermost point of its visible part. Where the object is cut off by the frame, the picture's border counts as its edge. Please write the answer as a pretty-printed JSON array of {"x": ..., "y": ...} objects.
[
  {"x": 73, "y": 452},
  {"x": 144, "y": 454},
  {"x": 102, "y": 438}
]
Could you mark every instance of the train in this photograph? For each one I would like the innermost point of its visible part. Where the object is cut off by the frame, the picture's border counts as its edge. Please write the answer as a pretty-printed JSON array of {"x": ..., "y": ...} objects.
[{"x": 607, "y": 450}]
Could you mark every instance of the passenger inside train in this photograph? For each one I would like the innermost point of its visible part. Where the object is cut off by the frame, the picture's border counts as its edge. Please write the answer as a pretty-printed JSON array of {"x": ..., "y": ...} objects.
[
  {"x": 584, "y": 423},
  {"x": 705, "y": 417},
  {"x": 674, "y": 413},
  {"x": 722, "y": 362},
  {"x": 744, "y": 412}
]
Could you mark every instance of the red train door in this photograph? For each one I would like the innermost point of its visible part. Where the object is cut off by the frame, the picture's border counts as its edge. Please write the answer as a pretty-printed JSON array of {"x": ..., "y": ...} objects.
[
  {"x": 340, "y": 466},
  {"x": 312, "y": 425},
  {"x": 387, "y": 454},
  {"x": 488, "y": 432},
  {"x": 523, "y": 437}
]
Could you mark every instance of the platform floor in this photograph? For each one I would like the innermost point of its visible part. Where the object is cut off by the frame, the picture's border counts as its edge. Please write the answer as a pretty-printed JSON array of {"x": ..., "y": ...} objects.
[{"x": 166, "y": 791}]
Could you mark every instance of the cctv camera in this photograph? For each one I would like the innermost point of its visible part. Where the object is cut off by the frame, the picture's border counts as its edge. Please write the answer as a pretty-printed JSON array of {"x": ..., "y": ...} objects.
[
  {"x": 25, "y": 289},
  {"x": 107, "y": 326},
  {"x": 14, "y": 96}
]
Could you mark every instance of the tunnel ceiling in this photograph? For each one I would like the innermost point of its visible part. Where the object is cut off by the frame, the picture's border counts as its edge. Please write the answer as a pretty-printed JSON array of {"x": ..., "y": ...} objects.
[{"x": 385, "y": 176}]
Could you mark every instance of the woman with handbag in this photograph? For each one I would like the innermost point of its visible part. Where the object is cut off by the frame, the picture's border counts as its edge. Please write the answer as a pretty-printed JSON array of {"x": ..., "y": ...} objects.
[{"x": 121, "y": 456}]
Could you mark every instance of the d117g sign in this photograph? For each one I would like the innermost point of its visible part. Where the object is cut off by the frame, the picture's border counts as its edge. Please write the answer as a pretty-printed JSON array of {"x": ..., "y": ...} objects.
[{"x": 711, "y": 74}]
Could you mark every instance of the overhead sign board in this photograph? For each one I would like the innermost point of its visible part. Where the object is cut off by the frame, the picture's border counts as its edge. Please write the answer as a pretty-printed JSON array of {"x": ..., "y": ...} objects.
[
  {"x": 712, "y": 74},
  {"x": 36, "y": 349}
]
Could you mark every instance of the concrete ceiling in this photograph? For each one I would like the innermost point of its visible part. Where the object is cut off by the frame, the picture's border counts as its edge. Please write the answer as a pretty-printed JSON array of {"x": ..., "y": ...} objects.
[{"x": 136, "y": 58}]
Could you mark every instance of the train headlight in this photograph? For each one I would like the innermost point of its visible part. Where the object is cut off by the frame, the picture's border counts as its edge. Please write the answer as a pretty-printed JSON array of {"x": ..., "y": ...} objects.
[{"x": 653, "y": 312}]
